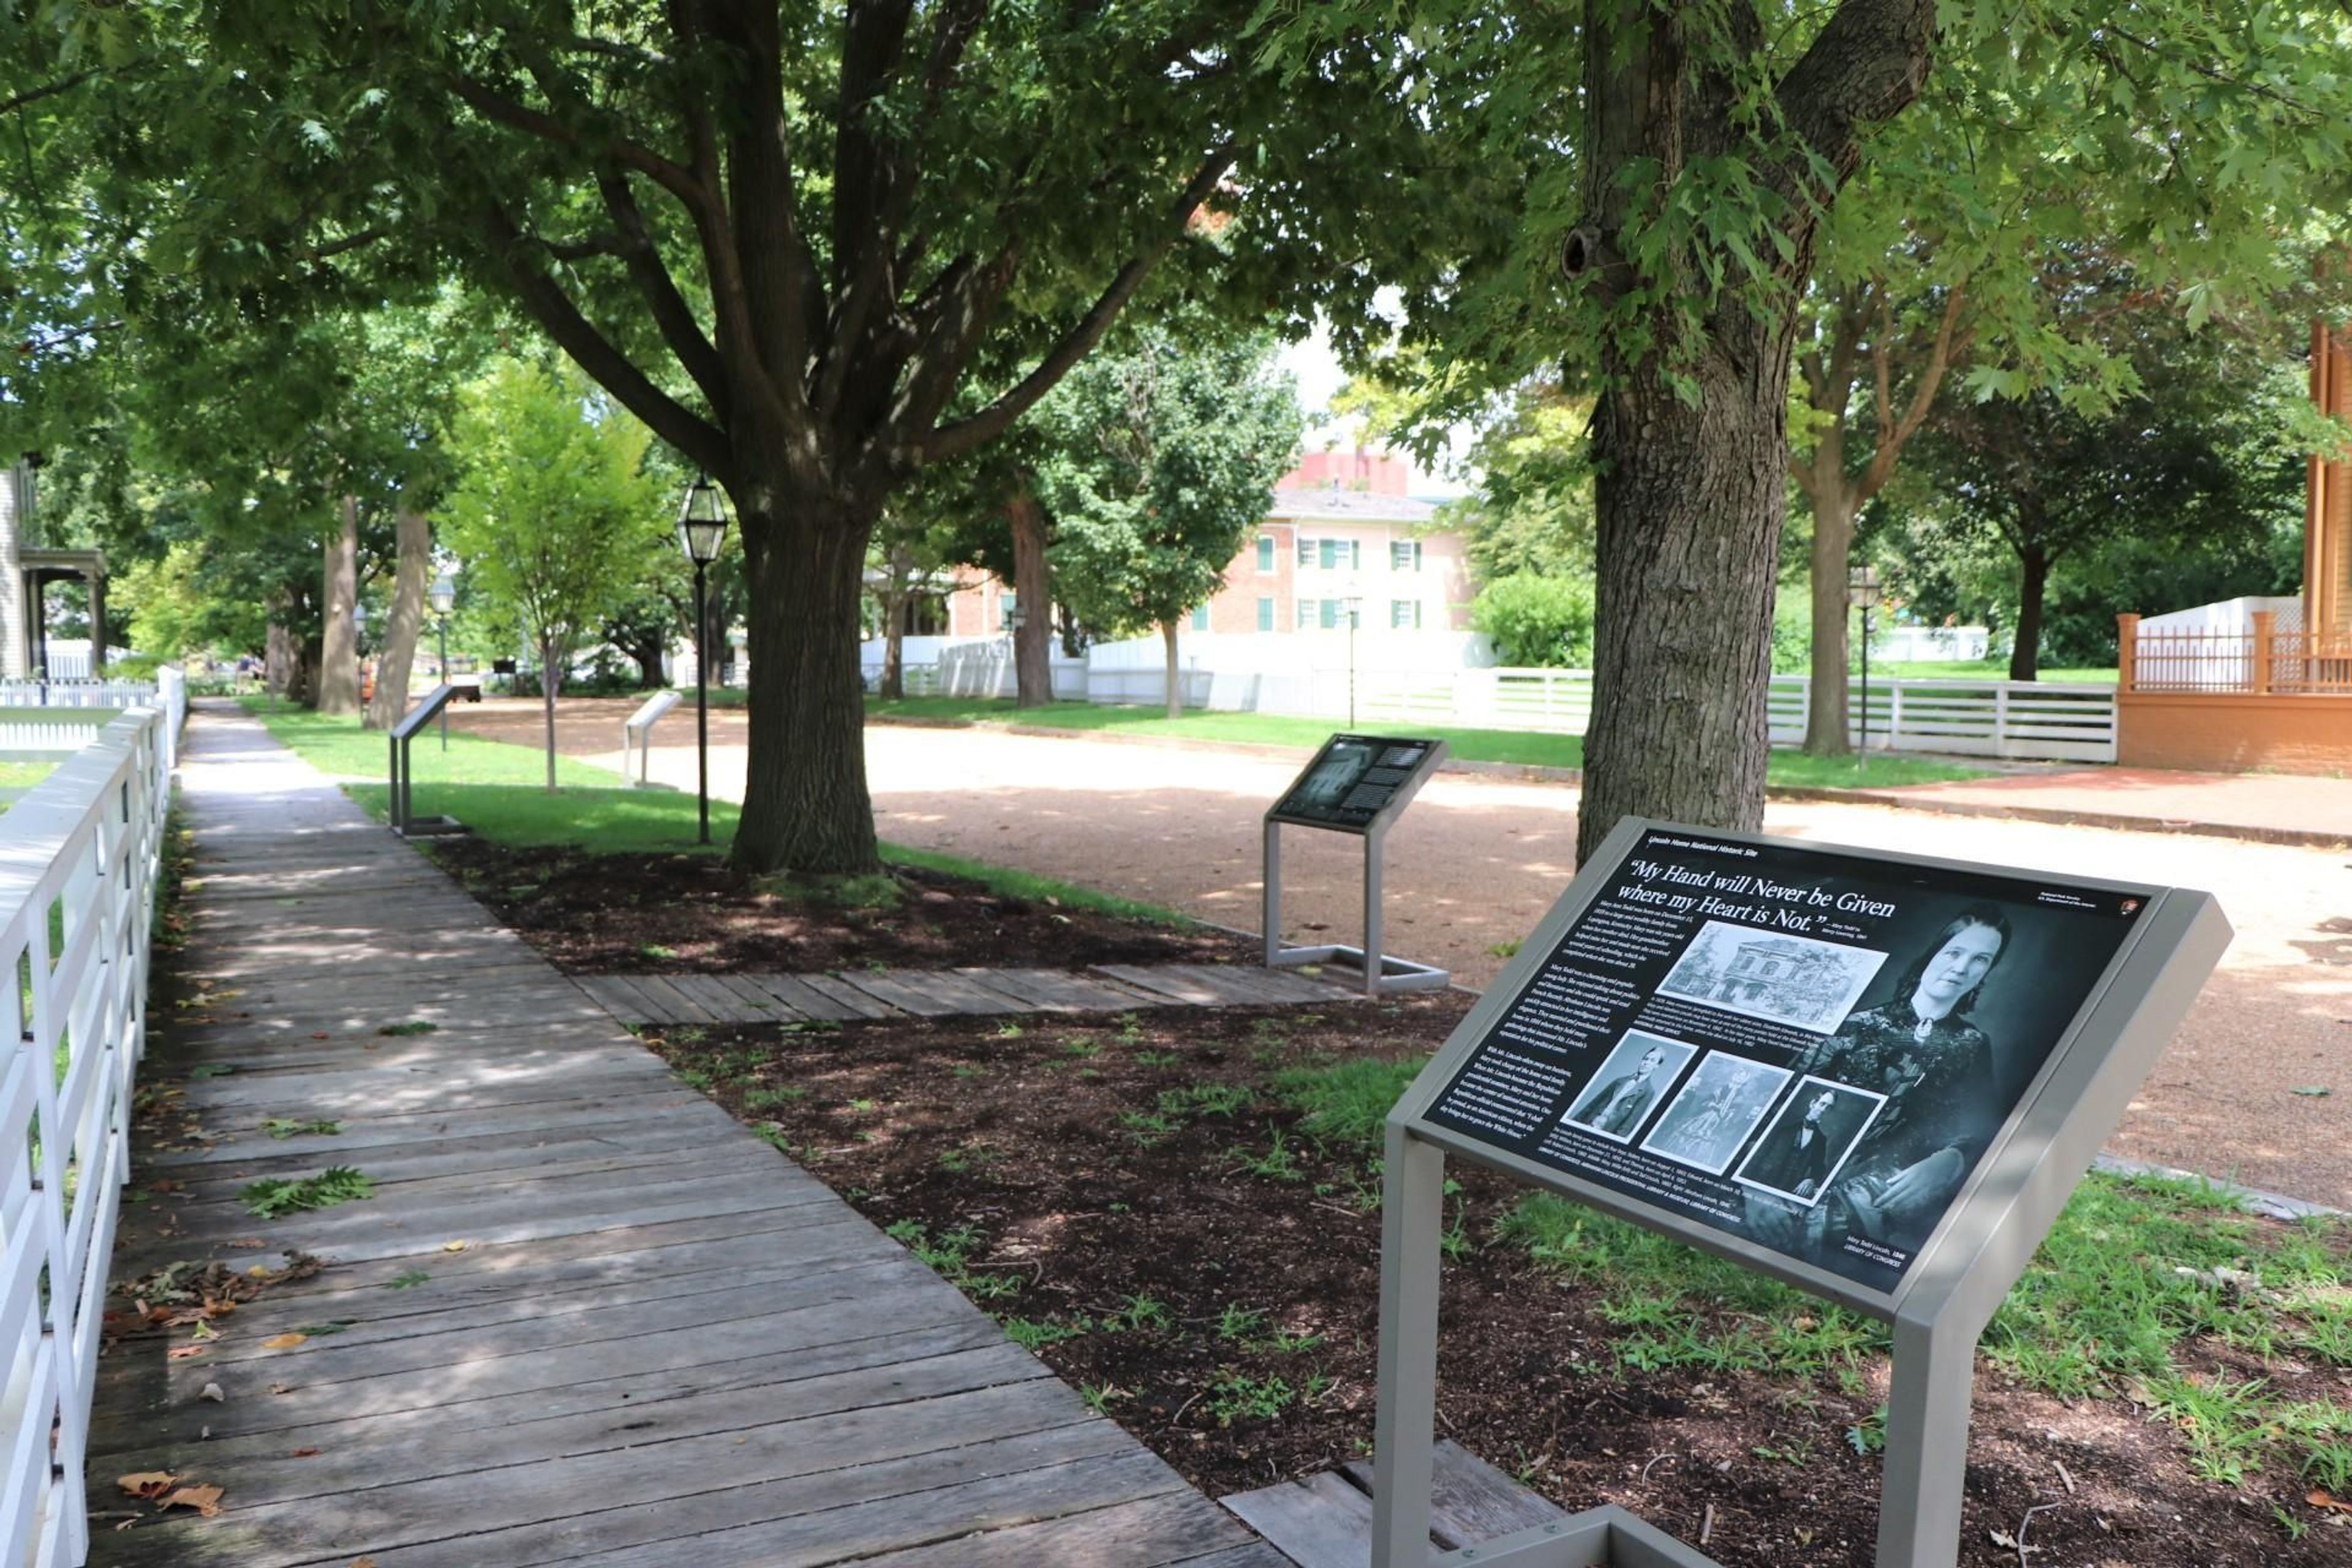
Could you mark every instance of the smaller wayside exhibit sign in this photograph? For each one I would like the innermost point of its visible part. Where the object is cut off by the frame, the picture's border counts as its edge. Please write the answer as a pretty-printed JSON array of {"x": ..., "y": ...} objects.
[
  {"x": 1359, "y": 784},
  {"x": 1876, "y": 1076}
]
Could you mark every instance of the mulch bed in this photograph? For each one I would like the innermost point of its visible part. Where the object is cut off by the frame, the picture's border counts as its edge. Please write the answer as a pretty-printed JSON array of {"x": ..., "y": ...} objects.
[
  {"x": 1223, "y": 1269},
  {"x": 601, "y": 914}
]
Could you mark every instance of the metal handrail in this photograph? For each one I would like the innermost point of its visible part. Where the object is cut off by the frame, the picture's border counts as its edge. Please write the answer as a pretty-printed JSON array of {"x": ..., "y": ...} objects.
[
  {"x": 637, "y": 733},
  {"x": 404, "y": 778}
]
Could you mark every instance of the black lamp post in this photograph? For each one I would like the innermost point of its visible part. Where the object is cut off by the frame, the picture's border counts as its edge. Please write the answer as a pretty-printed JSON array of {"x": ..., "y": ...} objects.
[
  {"x": 701, "y": 528},
  {"x": 1862, "y": 587},
  {"x": 1355, "y": 604},
  {"x": 444, "y": 596}
]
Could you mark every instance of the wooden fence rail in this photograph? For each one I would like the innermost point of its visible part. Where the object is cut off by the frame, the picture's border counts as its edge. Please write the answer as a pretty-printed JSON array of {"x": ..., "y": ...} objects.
[{"x": 77, "y": 903}]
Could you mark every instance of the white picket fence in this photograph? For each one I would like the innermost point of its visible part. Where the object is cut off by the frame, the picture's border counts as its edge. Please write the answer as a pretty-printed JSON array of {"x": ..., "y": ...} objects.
[
  {"x": 22, "y": 729},
  {"x": 78, "y": 870},
  {"x": 2023, "y": 720},
  {"x": 2018, "y": 720}
]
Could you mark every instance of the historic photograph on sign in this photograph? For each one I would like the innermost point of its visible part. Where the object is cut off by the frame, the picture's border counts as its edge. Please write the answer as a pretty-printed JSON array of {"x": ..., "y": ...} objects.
[
  {"x": 1803, "y": 1151},
  {"x": 1926, "y": 1048},
  {"x": 1766, "y": 974},
  {"x": 1630, "y": 1084},
  {"x": 1720, "y": 1105},
  {"x": 1332, "y": 779}
]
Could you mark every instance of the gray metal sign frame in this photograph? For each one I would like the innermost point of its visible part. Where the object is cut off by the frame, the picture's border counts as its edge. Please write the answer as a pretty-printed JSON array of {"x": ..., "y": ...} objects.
[
  {"x": 1385, "y": 973},
  {"x": 1938, "y": 1310}
]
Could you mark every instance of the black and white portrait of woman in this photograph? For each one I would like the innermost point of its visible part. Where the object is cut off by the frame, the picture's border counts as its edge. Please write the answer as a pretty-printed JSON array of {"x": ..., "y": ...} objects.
[{"x": 1923, "y": 1049}]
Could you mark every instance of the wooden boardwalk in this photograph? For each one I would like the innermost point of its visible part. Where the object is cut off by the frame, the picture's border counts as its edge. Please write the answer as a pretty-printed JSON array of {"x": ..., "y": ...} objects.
[
  {"x": 584, "y": 1319},
  {"x": 945, "y": 993}
]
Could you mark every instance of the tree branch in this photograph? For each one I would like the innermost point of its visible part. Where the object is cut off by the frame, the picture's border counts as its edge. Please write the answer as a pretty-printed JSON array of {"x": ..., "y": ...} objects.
[
  {"x": 673, "y": 177},
  {"x": 1923, "y": 397},
  {"x": 48, "y": 89},
  {"x": 961, "y": 436},
  {"x": 1867, "y": 62},
  {"x": 684, "y": 334},
  {"x": 698, "y": 439}
]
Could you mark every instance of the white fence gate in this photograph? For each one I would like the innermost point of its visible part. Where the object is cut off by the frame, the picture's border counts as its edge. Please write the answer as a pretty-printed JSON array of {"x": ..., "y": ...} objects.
[{"x": 77, "y": 873}]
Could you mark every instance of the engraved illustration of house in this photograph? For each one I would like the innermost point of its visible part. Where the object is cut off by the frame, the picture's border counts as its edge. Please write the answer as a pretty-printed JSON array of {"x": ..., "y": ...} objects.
[{"x": 1796, "y": 980}]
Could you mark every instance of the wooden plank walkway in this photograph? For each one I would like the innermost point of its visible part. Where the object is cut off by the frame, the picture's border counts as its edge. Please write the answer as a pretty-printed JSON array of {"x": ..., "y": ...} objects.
[
  {"x": 585, "y": 1318},
  {"x": 947, "y": 993},
  {"x": 1325, "y": 1520}
]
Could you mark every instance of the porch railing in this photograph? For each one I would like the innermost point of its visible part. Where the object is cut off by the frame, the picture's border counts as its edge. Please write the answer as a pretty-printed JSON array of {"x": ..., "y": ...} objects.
[{"x": 2266, "y": 660}]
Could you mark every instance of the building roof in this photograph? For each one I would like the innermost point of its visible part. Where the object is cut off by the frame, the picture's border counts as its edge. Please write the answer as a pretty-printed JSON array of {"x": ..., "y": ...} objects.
[{"x": 1324, "y": 503}]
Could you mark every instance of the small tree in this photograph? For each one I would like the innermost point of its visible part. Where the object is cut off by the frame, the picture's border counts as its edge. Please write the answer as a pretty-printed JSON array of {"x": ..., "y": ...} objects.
[
  {"x": 1160, "y": 460},
  {"x": 553, "y": 516}
]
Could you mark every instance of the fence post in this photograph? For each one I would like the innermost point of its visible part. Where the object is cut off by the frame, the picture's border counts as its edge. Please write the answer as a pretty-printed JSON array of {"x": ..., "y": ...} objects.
[
  {"x": 2265, "y": 628},
  {"x": 2127, "y": 652}
]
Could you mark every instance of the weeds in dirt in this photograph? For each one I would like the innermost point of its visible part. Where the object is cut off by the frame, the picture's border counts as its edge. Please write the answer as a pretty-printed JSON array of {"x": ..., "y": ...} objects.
[
  {"x": 274, "y": 1196},
  {"x": 282, "y": 1127},
  {"x": 1031, "y": 1335},
  {"x": 1237, "y": 1396},
  {"x": 410, "y": 1027},
  {"x": 774, "y": 1097}
]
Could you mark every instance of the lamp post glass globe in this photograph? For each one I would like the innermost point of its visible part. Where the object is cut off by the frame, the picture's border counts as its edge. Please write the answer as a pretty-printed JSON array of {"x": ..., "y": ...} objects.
[
  {"x": 701, "y": 522},
  {"x": 444, "y": 594}
]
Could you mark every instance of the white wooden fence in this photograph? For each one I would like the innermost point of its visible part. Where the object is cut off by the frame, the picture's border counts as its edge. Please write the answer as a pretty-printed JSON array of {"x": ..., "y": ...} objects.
[
  {"x": 24, "y": 729},
  {"x": 2048, "y": 722},
  {"x": 78, "y": 870}
]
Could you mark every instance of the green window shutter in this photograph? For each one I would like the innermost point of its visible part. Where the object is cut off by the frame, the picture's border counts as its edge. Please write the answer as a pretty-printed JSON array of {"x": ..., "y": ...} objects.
[
  {"x": 1199, "y": 617},
  {"x": 1266, "y": 552},
  {"x": 1265, "y": 615}
]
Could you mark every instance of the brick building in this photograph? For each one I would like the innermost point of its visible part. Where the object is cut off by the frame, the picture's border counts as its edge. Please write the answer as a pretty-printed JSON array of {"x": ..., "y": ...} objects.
[{"x": 1342, "y": 528}]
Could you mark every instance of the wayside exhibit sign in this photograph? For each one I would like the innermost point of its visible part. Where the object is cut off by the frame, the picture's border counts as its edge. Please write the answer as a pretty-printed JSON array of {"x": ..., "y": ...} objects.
[
  {"x": 1807, "y": 1049},
  {"x": 1875, "y": 1074}
]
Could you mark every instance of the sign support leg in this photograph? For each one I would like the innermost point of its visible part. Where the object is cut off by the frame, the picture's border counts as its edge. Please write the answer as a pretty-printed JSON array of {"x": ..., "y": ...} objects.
[
  {"x": 1270, "y": 911},
  {"x": 1411, "y": 1214},
  {"x": 1375, "y": 938},
  {"x": 1927, "y": 1445}
]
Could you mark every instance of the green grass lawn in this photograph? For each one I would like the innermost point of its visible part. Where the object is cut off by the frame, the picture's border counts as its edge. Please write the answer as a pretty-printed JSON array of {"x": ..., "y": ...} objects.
[
  {"x": 16, "y": 778},
  {"x": 93, "y": 717},
  {"x": 1525, "y": 748},
  {"x": 500, "y": 791}
]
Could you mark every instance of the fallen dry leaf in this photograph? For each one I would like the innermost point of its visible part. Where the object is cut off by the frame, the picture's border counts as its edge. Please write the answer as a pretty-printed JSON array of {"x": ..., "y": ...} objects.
[
  {"x": 2319, "y": 1496},
  {"x": 205, "y": 1500},
  {"x": 456, "y": 1246},
  {"x": 283, "y": 1341},
  {"x": 365, "y": 1562},
  {"x": 181, "y": 1353},
  {"x": 147, "y": 1483},
  {"x": 302, "y": 1453}
]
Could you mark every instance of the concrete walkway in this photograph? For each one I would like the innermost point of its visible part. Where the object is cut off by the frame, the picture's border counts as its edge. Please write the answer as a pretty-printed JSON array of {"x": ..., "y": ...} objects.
[{"x": 584, "y": 1318}]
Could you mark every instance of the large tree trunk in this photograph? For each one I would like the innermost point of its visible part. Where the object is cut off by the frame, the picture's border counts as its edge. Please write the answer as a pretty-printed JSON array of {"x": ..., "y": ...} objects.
[
  {"x": 1689, "y": 504},
  {"x": 648, "y": 655},
  {"x": 2025, "y": 656},
  {"x": 1175, "y": 675},
  {"x": 1833, "y": 512},
  {"x": 405, "y": 623},
  {"x": 1032, "y": 639},
  {"x": 805, "y": 806},
  {"x": 1693, "y": 485},
  {"x": 339, "y": 653},
  {"x": 898, "y": 575},
  {"x": 550, "y": 679},
  {"x": 302, "y": 686},
  {"x": 277, "y": 660}
]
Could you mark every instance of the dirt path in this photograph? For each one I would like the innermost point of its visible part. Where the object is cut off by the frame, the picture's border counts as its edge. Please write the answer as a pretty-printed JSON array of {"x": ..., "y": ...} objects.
[{"x": 1477, "y": 860}]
